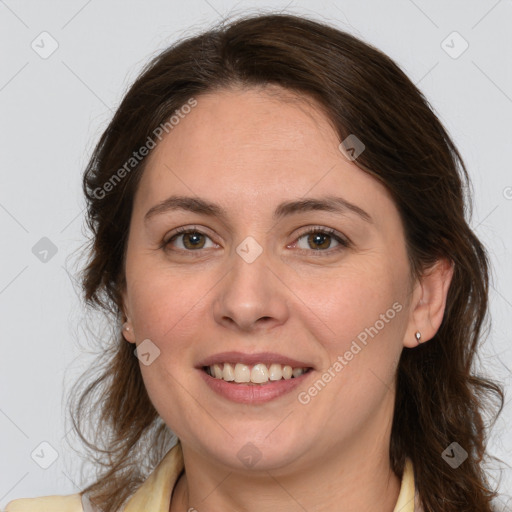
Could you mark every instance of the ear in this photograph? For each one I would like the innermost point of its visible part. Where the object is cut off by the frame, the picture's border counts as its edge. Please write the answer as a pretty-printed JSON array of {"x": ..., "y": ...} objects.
[
  {"x": 128, "y": 333},
  {"x": 429, "y": 302},
  {"x": 127, "y": 328}
]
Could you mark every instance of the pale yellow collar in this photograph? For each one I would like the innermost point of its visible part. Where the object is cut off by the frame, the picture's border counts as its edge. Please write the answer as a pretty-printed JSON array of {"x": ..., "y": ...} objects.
[
  {"x": 155, "y": 493},
  {"x": 407, "y": 497}
]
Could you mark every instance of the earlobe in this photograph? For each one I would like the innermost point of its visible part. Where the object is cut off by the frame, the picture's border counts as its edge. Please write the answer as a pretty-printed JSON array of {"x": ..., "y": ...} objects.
[
  {"x": 429, "y": 303},
  {"x": 127, "y": 329},
  {"x": 128, "y": 332}
]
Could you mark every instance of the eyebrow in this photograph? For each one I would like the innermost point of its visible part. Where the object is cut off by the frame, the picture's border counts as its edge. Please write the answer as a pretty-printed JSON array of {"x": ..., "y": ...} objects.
[{"x": 285, "y": 209}]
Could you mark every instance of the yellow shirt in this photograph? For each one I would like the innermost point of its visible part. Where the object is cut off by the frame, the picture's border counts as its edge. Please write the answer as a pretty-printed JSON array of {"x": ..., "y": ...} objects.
[{"x": 154, "y": 495}]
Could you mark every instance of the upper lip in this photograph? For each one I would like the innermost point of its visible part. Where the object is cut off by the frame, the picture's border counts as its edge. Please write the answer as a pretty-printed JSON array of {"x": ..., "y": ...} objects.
[{"x": 252, "y": 359}]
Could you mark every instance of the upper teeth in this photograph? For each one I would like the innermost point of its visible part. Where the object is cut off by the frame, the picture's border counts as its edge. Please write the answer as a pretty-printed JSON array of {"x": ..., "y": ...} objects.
[{"x": 258, "y": 374}]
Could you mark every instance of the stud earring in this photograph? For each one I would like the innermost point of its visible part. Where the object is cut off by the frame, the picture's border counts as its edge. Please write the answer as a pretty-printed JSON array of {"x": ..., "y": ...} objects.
[
  {"x": 417, "y": 335},
  {"x": 126, "y": 327}
]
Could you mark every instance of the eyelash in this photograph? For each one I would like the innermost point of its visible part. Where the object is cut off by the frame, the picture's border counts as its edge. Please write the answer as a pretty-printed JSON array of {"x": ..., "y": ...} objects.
[{"x": 344, "y": 243}]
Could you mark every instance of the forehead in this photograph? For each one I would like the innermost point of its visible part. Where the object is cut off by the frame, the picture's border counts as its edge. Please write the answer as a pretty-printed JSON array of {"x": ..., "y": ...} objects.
[
  {"x": 230, "y": 128},
  {"x": 238, "y": 146}
]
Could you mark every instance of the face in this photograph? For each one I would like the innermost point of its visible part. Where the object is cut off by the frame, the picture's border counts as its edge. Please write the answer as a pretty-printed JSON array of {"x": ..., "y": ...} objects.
[{"x": 251, "y": 279}]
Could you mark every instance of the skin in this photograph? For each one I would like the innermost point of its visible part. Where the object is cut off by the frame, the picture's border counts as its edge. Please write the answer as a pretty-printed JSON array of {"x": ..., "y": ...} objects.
[{"x": 333, "y": 453}]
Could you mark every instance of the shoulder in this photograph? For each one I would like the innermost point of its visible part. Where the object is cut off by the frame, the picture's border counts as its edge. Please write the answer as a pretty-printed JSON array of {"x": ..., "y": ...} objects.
[{"x": 68, "y": 503}]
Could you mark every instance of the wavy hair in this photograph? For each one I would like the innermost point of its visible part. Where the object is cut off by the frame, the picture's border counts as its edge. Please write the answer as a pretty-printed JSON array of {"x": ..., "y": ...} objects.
[{"x": 440, "y": 398}]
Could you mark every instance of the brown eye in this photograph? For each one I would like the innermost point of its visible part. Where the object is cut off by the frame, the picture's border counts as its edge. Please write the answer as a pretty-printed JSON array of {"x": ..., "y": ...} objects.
[
  {"x": 321, "y": 240},
  {"x": 188, "y": 240},
  {"x": 193, "y": 240}
]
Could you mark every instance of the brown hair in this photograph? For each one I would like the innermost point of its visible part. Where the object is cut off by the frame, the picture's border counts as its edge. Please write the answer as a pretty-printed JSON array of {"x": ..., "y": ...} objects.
[{"x": 439, "y": 399}]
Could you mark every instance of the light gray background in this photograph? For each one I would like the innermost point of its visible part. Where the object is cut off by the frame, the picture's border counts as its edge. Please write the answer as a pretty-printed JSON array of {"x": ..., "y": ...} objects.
[{"x": 54, "y": 109}]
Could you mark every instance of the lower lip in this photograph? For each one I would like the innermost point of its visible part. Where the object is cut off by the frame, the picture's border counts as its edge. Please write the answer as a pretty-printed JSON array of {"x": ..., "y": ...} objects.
[{"x": 253, "y": 393}]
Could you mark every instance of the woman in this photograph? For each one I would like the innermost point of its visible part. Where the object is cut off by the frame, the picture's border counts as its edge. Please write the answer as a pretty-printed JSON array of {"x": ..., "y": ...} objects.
[{"x": 279, "y": 234}]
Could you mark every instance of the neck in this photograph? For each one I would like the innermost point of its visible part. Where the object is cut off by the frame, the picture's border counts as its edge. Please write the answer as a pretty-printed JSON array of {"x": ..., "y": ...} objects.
[{"x": 349, "y": 478}]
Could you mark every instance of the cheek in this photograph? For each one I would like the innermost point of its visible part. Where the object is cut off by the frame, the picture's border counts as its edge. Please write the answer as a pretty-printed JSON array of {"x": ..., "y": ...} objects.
[
  {"x": 351, "y": 300},
  {"x": 166, "y": 308},
  {"x": 163, "y": 301},
  {"x": 363, "y": 318}
]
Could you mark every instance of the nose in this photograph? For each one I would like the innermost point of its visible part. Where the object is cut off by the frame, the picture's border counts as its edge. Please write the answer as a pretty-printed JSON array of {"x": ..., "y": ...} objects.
[{"x": 251, "y": 297}]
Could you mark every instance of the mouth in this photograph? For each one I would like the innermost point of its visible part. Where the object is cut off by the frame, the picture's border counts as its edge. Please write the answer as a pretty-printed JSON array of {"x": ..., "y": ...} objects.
[
  {"x": 257, "y": 368},
  {"x": 240, "y": 388},
  {"x": 258, "y": 374},
  {"x": 253, "y": 379}
]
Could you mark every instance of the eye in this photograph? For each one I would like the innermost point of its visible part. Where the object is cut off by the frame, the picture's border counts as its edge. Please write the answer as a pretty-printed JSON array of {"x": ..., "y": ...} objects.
[
  {"x": 192, "y": 239},
  {"x": 320, "y": 239}
]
